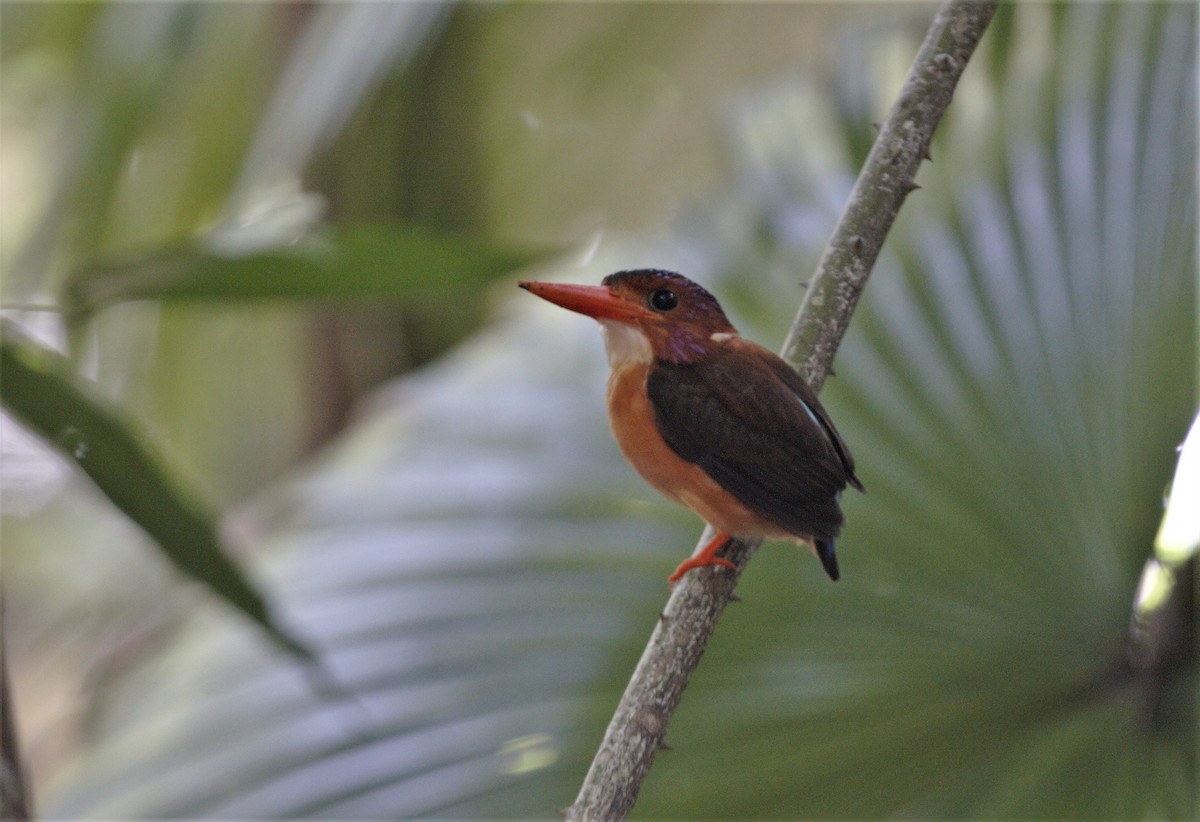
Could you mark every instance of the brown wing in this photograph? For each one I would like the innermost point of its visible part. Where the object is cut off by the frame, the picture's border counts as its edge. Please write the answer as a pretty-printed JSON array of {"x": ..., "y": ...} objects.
[{"x": 753, "y": 425}]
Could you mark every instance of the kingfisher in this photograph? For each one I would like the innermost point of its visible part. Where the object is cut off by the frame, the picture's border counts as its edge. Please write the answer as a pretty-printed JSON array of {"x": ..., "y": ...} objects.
[{"x": 712, "y": 421}]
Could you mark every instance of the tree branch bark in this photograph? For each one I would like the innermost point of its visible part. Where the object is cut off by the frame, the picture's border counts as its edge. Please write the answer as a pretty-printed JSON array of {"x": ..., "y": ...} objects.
[
  {"x": 15, "y": 802},
  {"x": 638, "y": 727}
]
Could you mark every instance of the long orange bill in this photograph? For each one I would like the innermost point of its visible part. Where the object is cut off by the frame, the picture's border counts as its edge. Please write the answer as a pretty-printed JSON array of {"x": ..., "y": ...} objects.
[{"x": 593, "y": 300}]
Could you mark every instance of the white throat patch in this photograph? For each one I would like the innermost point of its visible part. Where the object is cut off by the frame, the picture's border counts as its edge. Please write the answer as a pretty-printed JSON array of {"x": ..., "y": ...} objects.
[{"x": 625, "y": 344}]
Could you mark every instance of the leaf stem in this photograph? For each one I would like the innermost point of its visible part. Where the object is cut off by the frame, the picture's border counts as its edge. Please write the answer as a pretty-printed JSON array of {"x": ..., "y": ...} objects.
[{"x": 638, "y": 727}]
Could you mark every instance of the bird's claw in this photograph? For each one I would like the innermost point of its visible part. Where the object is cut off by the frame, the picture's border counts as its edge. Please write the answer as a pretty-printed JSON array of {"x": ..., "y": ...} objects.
[{"x": 698, "y": 562}]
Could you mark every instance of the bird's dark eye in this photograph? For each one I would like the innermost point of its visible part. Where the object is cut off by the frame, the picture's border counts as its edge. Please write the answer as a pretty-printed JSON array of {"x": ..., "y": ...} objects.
[{"x": 663, "y": 300}]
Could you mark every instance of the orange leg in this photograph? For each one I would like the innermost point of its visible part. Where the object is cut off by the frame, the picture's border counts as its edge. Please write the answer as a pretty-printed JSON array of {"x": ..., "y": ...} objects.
[{"x": 705, "y": 556}]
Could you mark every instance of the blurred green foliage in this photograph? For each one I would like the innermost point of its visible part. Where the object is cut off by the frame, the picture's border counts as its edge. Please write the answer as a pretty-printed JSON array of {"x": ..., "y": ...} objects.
[
  {"x": 40, "y": 390},
  {"x": 147, "y": 88},
  {"x": 470, "y": 555}
]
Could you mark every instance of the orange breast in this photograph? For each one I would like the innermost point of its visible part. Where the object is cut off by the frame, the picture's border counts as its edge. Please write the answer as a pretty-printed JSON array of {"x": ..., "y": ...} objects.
[{"x": 632, "y": 419}]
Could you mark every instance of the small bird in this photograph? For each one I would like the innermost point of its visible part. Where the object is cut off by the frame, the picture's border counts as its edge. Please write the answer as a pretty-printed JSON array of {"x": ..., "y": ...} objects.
[{"x": 713, "y": 421}]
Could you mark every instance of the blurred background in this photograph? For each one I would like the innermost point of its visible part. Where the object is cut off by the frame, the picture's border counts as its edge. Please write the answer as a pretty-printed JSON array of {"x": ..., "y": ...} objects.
[{"x": 270, "y": 382}]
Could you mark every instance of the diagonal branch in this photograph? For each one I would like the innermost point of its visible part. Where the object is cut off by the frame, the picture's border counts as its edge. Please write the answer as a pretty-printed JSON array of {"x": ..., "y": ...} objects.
[
  {"x": 638, "y": 727},
  {"x": 15, "y": 801}
]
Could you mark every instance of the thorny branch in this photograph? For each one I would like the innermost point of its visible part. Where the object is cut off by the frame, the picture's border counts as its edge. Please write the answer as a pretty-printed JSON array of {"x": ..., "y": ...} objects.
[{"x": 638, "y": 727}]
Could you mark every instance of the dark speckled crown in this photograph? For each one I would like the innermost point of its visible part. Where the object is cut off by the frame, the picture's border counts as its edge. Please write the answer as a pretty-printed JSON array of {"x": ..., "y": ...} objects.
[{"x": 645, "y": 277}]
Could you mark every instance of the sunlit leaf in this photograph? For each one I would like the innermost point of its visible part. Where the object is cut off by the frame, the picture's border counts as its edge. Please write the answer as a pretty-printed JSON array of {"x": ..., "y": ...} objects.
[
  {"x": 131, "y": 63},
  {"x": 343, "y": 51}
]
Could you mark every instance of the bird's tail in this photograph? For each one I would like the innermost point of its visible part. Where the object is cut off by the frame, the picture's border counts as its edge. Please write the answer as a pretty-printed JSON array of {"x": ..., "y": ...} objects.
[{"x": 827, "y": 556}]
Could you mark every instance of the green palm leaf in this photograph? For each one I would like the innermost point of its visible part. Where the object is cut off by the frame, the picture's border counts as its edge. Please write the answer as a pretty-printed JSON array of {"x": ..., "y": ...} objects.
[{"x": 41, "y": 390}]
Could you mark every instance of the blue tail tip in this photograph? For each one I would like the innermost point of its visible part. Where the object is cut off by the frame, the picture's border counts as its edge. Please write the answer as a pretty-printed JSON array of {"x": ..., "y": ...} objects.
[{"x": 828, "y": 558}]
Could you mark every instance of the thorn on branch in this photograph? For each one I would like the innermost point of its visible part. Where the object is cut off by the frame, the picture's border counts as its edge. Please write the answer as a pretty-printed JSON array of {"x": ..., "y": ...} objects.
[
  {"x": 650, "y": 722},
  {"x": 733, "y": 597},
  {"x": 663, "y": 745},
  {"x": 944, "y": 62}
]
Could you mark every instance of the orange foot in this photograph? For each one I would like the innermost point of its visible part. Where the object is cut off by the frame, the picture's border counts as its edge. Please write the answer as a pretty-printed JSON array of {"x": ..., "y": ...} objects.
[{"x": 706, "y": 556}]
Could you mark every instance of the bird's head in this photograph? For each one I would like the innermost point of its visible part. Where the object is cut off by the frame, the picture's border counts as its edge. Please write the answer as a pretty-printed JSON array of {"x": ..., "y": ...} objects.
[{"x": 646, "y": 315}]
